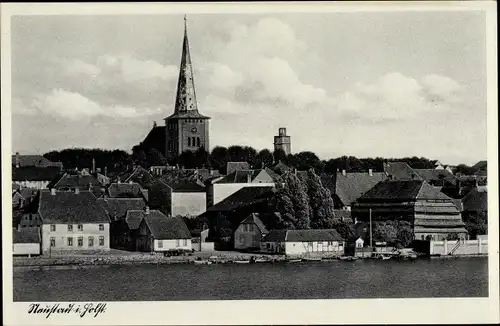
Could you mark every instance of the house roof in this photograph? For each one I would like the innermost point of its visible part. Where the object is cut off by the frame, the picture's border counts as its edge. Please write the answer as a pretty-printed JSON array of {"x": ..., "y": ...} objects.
[
  {"x": 254, "y": 219},
  {"x": 481, "y": 165},
  {"x": 67, "y": 207},
  {"x": 351, "y": 186},
  {"x": 133, "y": 218},
  {"x": 34, "y": 161},
  {"x": 433, "y": 175},
  {"x": 400, "y": 171},
  {"x": 123, "y": 189},
  {"x": 235, "y": 166},
  {"x": 117, "y": 208},
  {"x": 155, "y": 139},
  {"x": 71, "y": 181},
  {"x": 15, "y": 187},
  {"x": 189, "y": 185},
  {"x": 243, "y": 197},
  {"x": 31, "y": 173},
  {"x": 249, "y": 176},
  {"x": 302, "y": 235},
  {"x": 167, "y": 228},
  {"x": 26, "y": 235},
  {"x": 429, "y": 192},
  {"x": 280, "y": 168},
  {"x": 475, "y": 201},
  {"x": 135, "y": 174},
  {"x": 393, "y": 190}
]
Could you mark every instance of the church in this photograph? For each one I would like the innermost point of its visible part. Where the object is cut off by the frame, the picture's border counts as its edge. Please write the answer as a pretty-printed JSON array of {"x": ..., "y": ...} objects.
[{"x": 185, "y": 129}]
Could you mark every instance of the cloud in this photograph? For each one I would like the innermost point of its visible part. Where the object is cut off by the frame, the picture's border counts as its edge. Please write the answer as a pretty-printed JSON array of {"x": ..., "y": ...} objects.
[
  {"x": 395, "y": 96},
  {"x": 75, "y": 106},
  {"x": 77, "y": 67}
]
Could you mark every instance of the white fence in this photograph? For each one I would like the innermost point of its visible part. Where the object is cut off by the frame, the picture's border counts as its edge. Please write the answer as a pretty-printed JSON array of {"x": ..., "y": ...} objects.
[{"x": 459, "y": 247}]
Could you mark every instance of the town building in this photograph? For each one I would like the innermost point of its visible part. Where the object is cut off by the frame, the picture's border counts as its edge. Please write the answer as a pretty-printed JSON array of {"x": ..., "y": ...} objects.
[
  {"x": 283, "y": 141},
  {"x": 432, "y": 213},
  {"x": 237, "y": 180},
  {"x": 249, "y": 233},
  {"x": 136, "y": 174},
  {"x": 303, "y": 242},
  {"x": 75, "y": 180},
  {"x": 37, "y": 161},
  {"x": 26, "y": 242},
  {"x": 159, "y": 233},
  {"x": 127, "y": 190},
  {"x": 400, "y": 171},
  {"x": 34, "y": 177},
  {"x": 199, "y": 240},
  {"x": 180, "y": 197},
  {"x": 72, "y": 221},
  {"x": 186, "y": 129}
]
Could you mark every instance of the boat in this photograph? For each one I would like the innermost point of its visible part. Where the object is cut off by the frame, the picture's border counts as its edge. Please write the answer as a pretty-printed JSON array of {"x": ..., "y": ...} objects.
[
  {"x": 261, "y": 260},
  {"x": 293, "y": 260},
  {"x": 202, "y": 262},
  {"x": 242, "y": 262},
  {"x": 311, "y": 259},
  {"x": 348, "y": 258},
  {"x": 382, "y": 257}
]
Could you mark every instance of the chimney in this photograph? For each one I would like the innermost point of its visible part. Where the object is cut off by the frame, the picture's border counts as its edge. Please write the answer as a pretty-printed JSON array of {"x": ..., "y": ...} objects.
[
  {"x": 343, "y": 172},
  {"x": 295, "y": 171},
  {"x": 249, "y": 178},
  {"x": 53, "y": 191},
  {"x": 17, "y": 159},
  {"x": 90, "y": 186},
  {"x": 370, "y": 172},
  {"x": 77, "y": 191},
  {"x": 119, "y": 181},
  {"x": 130, "y": 182},
  {"x": 93, "y": 165},
  {"x": 105, "y": 171},
  {"x": 146, "y": 210}
]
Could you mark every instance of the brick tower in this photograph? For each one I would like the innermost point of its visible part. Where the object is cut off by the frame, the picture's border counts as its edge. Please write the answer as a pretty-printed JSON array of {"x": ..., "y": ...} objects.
[
  {"x": 186, "y": 129},
  {"x": 282, "y": 141}
]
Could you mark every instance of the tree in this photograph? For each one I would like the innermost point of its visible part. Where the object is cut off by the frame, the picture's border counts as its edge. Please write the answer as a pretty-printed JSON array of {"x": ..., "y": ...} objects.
[
  {"x": 155, "y": 158},
  {"x": 279, "y": 155},
  {"x": 284, "y": 206},
  {"x": 404, "y": 234},
  {"x": 321, "y": 201},
  {"x": 200, "y": 158},
  {"x": 346, "y": 230},
  {"x": 264, "y": 158},
  {"x": 300, "y": 200},
  {"x": 218, "y": 158}
]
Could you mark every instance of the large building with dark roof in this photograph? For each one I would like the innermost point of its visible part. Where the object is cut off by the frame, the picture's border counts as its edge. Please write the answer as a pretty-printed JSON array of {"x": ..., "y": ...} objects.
[
  {"x": 186, "y": 129},
  {"x": 432, "y": 214},
  {"x": 159, "y": 233},
  {"x": 72, "y": 221}
]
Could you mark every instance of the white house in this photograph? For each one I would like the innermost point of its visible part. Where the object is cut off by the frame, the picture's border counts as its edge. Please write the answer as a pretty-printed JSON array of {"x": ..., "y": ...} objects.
[
  {"x": 303, "y": 242},
  {"x": 159, "y": 233}
]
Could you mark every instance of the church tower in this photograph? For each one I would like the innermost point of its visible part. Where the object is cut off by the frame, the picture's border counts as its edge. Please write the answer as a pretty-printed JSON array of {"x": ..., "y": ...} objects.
[
  {"x": 186, "y": 129},
  {"x": 282, "y": 141}
]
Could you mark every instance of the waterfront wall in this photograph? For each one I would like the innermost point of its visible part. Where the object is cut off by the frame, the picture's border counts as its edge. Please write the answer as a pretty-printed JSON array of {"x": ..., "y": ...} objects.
[{"x": 463, "y": 247}]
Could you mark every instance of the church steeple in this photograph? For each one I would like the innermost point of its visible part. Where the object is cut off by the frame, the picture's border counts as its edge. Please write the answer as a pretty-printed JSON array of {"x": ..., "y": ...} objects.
[{"x": 186, "y": 94}]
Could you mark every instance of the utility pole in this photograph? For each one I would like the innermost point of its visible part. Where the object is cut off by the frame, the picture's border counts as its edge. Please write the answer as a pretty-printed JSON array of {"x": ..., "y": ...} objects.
[{"x": 371, "y": 235}]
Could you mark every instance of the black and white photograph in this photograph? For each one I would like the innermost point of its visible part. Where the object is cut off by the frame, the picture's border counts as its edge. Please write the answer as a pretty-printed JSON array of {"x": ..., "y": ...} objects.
[{"x": 183, "y": 155}]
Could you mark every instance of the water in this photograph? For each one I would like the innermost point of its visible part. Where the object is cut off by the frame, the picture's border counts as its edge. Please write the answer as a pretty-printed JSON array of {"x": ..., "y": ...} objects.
[{"x": 312, "y": 280}]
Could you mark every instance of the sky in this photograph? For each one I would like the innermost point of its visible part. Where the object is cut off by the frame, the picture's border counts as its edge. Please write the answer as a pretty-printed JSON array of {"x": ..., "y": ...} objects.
[{"x": 366, "y": 84}]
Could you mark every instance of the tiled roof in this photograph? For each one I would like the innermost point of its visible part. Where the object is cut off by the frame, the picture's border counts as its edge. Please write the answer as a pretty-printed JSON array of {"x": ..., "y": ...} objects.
[
  {"x": 134, "y": 217},
  {"x": 429, "y": 192},
  {"x": 235, "y": 166},
  {"x": 243, "y": 197},
  {"x": 433, "y": 175},
  {"x": 117, "y": 208},
  {"x": 186, "y": 185},
  {"x": 116, "y": 190},
  {"x": 26, "y": 235},
  {"x": 35, "y": 173},
  {"x": 249, "y": 176},
  {"x": 475, "y": 201},
  {"x": 393, "y": 190},
  {"x": 15, "y": 187},
  {"x": 254, "y": 219},
  {"x": 155, "y": 139},
  {"x": 34, "y": 161},
  {"x": 71, "y": 181},
  {"x": 400, "y": 171},
  {"x": 280, "y": 168},
  {"x": 167, "y": 228},
  {"x": 351, "y": 186},
  {"x": 302, "y": 235},
  {"x": 67, "y": 207}
]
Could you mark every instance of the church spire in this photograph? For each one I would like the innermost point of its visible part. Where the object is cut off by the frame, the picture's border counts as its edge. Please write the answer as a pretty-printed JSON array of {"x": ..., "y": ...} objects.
[{"x": 186, "y": 95}]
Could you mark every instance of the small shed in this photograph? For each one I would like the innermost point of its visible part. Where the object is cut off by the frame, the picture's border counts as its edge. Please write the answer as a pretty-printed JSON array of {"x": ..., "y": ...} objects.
[{"x": 26, "y": 242}]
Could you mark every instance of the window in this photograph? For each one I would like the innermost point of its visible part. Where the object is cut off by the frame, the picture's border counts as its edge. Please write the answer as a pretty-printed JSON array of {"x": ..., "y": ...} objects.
[
  {"x": 160, "y": 243},
  {"x": 101, "y": 241},
  {"x": 189, "y": 141},
  {"x": 80, "y": 241},
  {"x": 52, "y": 241},
  {"x": 52, "y": 228},
  {"x": 185, "y": 242},
  {"x": 91, "y": 241},
  {"x": 422, "y": 237},
  {"x": 101, "y": 227},
  {"x": 178, "y": 243},
  {"x": 70, "y": 242},
  {"x": 80, "y": 227},
  {"x": 70, "y": 227},
  {"x": 268, "y": 245},
  {"x": 310, "y": 244},
  {"x": 198, "y": 141}
]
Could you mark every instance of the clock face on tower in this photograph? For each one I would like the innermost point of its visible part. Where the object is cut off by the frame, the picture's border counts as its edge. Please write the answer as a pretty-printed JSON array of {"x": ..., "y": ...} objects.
[{"x": 193, "y": 130}]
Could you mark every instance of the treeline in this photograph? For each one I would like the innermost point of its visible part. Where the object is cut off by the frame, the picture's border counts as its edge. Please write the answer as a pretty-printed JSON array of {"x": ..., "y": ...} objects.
[{"x": 217, "y": 159}]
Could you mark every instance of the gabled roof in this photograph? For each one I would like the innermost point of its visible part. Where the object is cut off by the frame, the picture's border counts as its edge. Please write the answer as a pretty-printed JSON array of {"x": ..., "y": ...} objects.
[
  {"x": 400, "y": 171},
  {"x": 185, "y": 185},
  {"x": 26, "y": 235},
  {"x": 393, "y": 191},
  {"x": 116, "y": 190},
  {"x": 67, "y": 207},
  {"x": 308, "y": 235},
  {"x": 155, "y": 139},
  {"x": 475, "y": 201},
  {"x": 243, "y": 197},
  {"x": 166, "y": 228},
  {"x": 71, "y": 181},
  {"x": 31, "y": 173},
  {"x": 433, "y": 175},
  {"x": 34, "y": 161},
  {"x": 254, "y": 219},
  {"x": 235, "y": 166},
  {"x": 15, "y": 187},
  {"x": 133, "y": 218},
  {"x": 117, "y": 208},
  {"x": 351, "y": 186},
  {"x": 249, "y": 176},
  {"x": 429, "y": 192}
]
